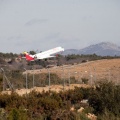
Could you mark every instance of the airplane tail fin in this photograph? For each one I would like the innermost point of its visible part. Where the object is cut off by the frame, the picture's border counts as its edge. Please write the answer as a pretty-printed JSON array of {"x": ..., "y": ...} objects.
[{"x": 28, "y": 56}]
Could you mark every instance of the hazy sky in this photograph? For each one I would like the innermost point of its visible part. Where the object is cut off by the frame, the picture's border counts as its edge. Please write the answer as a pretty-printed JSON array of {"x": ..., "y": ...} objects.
[{"x": 43, "y": 24}]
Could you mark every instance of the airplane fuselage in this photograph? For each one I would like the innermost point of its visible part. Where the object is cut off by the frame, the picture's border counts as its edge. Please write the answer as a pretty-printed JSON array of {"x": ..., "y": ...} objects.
[{"x": 43, "y": 55}]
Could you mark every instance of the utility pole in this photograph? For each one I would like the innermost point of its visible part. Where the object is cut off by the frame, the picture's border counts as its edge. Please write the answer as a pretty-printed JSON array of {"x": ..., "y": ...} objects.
[
  {"x": 69, "y": 76},
  {"x": 63, "y": 79},
  {"x": 91, "y": 76},
  {"x": 49, "y": 77},
  {"x": 8, "y": 82},
  {"x": 26, "y": 80},
  {"x": 33, "y": 79},
  {"x": 109, "y": 76},
  {"x": 79, "y": 77},
  {"x": 95, "y": 78}
]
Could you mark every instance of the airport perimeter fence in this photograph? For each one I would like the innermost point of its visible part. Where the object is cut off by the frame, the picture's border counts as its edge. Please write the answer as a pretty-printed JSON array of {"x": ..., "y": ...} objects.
[{"x": 37, "y": 78}]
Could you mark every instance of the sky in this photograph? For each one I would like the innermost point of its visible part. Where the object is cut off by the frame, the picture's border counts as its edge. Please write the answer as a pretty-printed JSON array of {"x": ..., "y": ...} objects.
[{"x": 40, "y": 25}]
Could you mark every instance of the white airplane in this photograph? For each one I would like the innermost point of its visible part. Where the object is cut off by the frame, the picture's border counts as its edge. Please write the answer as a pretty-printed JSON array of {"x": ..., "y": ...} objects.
[{"x": 43, "y": 55}]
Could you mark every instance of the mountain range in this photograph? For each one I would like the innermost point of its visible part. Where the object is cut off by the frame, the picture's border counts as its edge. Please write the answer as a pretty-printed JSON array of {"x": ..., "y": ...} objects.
[{"x": 102, "y": 49}]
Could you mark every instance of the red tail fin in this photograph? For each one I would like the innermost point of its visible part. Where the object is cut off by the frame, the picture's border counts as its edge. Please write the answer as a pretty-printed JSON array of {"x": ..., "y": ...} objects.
[{"x": 29, "y": 58}]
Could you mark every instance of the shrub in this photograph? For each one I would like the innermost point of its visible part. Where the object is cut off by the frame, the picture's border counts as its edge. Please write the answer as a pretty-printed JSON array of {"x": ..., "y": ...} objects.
[{"x": 105, "y": 96}]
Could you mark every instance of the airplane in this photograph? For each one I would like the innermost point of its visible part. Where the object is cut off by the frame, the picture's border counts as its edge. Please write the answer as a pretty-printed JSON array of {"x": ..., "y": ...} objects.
[{"x": 43, "y": 55}]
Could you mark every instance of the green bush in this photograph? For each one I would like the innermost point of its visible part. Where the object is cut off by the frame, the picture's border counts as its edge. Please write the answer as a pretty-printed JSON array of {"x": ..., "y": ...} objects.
[
  {"x": 17, "y": 114},
  {"x": 14, "y": 115},
  {"x": 82, "y": 116},
  {"x": 107, "y": 115},
  {"x": 105, "y": 96}
]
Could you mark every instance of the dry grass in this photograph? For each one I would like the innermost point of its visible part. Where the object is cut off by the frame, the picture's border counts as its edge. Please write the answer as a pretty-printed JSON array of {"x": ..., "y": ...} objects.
[
  {"x": 56, "y": 88},
  {"x": 94, "y": 70}
]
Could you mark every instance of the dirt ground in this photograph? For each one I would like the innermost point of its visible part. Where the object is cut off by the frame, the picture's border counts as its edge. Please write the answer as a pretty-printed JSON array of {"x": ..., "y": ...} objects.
[
  {"x": 56, "y": 88},
  {"x": 93, "y": 70}
]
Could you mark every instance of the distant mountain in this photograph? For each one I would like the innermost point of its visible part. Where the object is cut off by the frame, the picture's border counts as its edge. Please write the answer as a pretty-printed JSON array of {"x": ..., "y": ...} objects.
[
  {"x": 70, "y": 51},
  {"x": 103, "y": 49}
]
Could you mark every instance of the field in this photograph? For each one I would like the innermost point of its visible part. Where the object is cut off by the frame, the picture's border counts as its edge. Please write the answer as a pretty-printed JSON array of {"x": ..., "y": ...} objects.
[
  {"x": 93, "y": 71},
  {"x": 96, "y": 70}
]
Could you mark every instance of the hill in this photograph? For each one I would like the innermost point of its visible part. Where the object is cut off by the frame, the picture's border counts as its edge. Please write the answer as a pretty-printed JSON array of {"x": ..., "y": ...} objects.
[
  {"x": 93, "y": 70},
  {"x": 102, "y": 49}
]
